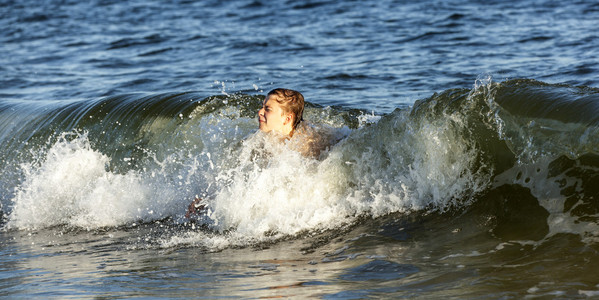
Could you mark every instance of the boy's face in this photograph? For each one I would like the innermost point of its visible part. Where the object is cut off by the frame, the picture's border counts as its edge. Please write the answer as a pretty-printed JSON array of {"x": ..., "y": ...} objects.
[{"x": 272, "y": 117}]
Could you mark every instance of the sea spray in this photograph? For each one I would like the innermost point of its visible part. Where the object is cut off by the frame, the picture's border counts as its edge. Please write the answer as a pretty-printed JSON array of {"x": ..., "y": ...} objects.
[
  {"x": 71, "y": 186},
  {"x": 255, "y": 186},
  {"x": 399, "y": 164},
  {"x": 276, "y": 189},
  {"x": 449, "y": 152}
]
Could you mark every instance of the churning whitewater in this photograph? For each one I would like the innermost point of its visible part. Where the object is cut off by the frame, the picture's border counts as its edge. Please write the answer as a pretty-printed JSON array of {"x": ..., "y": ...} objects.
[{"x": 122, "y": 161}]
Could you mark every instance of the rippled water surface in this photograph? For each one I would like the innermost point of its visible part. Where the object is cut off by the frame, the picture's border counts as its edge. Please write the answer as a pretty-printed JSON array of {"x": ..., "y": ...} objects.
[{"x": 376, "y": 54}]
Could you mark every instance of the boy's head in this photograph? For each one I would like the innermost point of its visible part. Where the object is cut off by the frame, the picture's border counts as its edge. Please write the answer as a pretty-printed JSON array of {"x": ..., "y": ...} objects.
[
  {"x": 282, "y": 110},
  {"x": 291, "y": 101}
]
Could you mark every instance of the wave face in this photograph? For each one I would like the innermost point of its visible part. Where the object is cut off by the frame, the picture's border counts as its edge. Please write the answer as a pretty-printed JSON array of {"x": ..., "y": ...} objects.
[{"x": 521, "y": 155}]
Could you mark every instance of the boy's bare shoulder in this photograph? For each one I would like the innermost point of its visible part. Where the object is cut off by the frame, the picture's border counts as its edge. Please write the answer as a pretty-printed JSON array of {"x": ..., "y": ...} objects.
[{"x": 312, "y": 140}]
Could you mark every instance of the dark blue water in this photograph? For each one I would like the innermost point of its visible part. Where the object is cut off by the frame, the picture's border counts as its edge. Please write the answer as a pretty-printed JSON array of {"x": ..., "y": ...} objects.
[
  {"x": 467, "y": 167},
  {"x": 376, "y": 55}
]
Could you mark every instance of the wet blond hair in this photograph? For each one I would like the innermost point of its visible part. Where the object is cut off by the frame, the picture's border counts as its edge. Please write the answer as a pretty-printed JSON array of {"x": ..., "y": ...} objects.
[{"x": 291, "y": 102}]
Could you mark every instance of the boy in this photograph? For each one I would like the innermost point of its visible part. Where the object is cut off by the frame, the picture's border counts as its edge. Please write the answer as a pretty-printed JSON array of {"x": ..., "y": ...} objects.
[{"x": 282, "y": 111}]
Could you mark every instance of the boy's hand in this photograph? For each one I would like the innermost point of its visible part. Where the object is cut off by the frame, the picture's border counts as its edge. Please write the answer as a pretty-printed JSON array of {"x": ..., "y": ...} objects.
[{"x": 195, "y": 208}]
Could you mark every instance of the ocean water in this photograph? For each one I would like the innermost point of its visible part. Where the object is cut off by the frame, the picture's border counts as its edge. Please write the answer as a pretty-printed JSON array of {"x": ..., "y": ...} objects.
[{"x": 465, "y": 161}]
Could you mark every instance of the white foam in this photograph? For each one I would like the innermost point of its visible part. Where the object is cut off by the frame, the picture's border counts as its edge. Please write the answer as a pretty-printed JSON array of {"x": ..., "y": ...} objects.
[
  {"x": 276, "y": 189},
  {"x": 269, "y": 190},
  {"x": 258, "y": 188},
  {"x": 71, "y": 185}
]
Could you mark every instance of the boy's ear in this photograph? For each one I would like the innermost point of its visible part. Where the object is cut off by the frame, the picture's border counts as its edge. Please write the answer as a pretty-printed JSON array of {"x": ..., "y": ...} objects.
[{"x": 288, "y": 118}]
